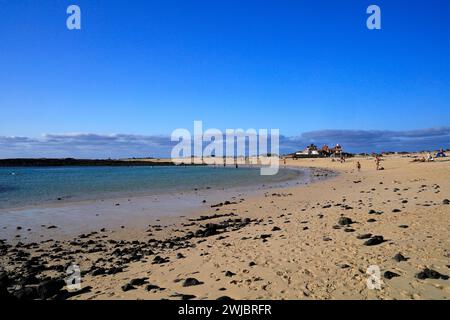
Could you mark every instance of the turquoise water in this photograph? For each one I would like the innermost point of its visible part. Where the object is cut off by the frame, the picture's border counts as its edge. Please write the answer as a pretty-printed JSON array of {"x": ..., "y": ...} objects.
[{"x": 36, "y": 186}]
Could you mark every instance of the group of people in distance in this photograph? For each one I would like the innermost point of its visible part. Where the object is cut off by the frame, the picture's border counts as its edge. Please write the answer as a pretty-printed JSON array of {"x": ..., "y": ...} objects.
[
  {"x": 429, "y": 158},
  {"x": 377, "y": 163}
]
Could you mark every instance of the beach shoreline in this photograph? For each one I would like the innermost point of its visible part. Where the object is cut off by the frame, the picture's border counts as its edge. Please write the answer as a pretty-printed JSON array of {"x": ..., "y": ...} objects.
[
  {"x": 69, "y": 218},
  {"x": 286, "y": 243}
]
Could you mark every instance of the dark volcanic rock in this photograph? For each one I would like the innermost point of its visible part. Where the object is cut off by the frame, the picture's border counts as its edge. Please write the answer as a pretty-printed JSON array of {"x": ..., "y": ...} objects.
[
  {"x": 364, "y": 236},
  {"x": 49, "y": 288},
  {"x": 29, "y": 279},
  {"x": 183, "y": 296},
  {"x": 217, "y": 205},
  {"x": 389, "y": 275},
  {"x": 191, "y": 282},
  {"x": 4, "y": 282},
  {"x": 374, "y": 241},
  {"x": 4, "y": 279},
  {"x": 229, "y": 274},
  {"x": 98, "y": 271},
  {"x": 159, "y": 260},
  {"x": 344, "y": 221},
  {"x": 202, "y": 218},
  {"x": 446, "y": 201},
  {"x": 128, "y": 287},
  {"x": 180, "y": 255},
  {"x": 150, "y": 287},
  {"x": 225, "y": 298},
  {"x": 26, "y": 293},
  {"x": 138, "y": 281},
  {"x": 276, "y": 229},
  {"x": 115, "y": 270},
  {"x": 430, "y": 274},
  {"x": 211, "y": 229},
  {"x": 399, "y": 257}
]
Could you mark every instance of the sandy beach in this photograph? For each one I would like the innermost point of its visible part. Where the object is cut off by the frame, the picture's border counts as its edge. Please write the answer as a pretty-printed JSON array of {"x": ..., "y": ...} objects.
[
  {"x": 224, "y": 158},
  {"x": 313, "y": 241}
]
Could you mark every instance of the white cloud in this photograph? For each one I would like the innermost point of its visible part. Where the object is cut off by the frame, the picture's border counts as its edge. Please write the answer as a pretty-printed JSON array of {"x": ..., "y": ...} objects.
[{"x": 88, "y": 145}]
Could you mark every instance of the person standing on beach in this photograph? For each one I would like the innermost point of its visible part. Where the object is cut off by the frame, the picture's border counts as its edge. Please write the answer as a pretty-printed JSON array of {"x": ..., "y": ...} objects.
[
  {"x": 377, "y": 162},
  {"x": 358, "y": 166}
]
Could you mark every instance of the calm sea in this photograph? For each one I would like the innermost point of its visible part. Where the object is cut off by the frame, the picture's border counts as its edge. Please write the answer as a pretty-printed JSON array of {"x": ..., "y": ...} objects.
[{"x": 21, "y": 187}]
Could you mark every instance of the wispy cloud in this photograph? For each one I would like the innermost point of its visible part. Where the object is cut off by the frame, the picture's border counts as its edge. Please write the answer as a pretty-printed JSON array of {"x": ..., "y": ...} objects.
[
  {"x": 374, "y": 140},
  {"x": 86, "y": 145}
]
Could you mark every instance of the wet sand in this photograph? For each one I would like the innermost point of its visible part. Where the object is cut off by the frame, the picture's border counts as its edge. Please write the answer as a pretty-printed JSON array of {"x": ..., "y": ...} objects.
[
  {"x": 68, "y": 218},
  {"x": 300, "y": 242}
]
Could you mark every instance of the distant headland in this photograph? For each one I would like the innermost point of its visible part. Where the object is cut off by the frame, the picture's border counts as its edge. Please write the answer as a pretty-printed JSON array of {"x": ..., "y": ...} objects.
[{"x": 45, "y": 162}]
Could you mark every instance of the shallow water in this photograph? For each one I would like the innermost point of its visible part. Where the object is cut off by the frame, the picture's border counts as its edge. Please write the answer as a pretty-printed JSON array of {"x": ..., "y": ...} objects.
[{"x": 20, "y": 187}]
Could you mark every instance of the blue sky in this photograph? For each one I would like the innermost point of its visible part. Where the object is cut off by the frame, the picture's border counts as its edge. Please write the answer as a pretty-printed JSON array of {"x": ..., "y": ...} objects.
[{"x": 145, "y": 68}]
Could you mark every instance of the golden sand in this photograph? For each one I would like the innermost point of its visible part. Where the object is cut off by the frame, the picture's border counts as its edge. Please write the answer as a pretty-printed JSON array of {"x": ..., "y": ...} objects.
[{"x": 308, "y": 258}]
